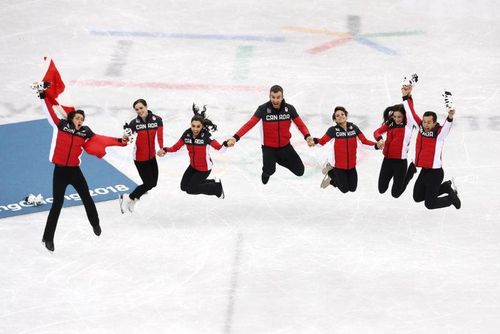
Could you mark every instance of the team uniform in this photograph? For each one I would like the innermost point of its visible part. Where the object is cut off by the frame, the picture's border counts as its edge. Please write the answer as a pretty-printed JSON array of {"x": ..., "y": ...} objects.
[
  {"x": 194, "y": 181},
  {"x": 67, "y": 147},
  {"x": 395, "y": 165},
  {"x": 428, "y": 152},
  {"x": 275, "y": 137},
  {"x": 145, "y": 152},
  {"x": 343, "y": 174}
]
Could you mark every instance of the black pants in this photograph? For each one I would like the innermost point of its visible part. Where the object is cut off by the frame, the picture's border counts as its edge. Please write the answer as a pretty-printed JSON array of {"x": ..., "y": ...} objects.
[
  {"x": 148, "y": 171},
  {"x": 344, "y": 179},
  {"x": 284, "y": 156},
  {"x": 195, "y": 182},
  {"x": 64, "y": 176},
  {"x": 393, "y": 169},
  {"x": 429, "y": 187}
]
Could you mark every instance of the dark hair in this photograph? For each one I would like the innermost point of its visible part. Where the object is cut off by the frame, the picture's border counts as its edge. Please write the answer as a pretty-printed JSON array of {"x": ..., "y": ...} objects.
[
  {"x": 200, "y": 117},
  {"x": 276, "y": 89},
  {"x": 338, "y": 108},
  {"x": 72, "y": 114},
  {"x": 431, "y": 113},
  {"x": 389, "y": 111},
  {"x": 142, "y": 101}
]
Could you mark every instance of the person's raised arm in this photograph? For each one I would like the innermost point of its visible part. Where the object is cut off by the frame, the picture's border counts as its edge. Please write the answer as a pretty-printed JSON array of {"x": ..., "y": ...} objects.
[{"x": 411, "y": 115}]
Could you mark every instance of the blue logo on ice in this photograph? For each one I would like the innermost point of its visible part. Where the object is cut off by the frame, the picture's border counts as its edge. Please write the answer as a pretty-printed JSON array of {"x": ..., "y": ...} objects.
[{"x": 26, "y": 169}]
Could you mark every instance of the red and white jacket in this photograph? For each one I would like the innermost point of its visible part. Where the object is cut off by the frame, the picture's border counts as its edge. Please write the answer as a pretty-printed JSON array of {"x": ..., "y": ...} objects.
[
  {"x": 398, "y": 136},
  {"x": 67, "y": 142},
  {"x": 198, "y": 148},
  {"x": 345, "y": 144},
  {"x": 147, "y": 131},
  {"x": 429, "y": 148},
  {"x": 275, "y": 124}
]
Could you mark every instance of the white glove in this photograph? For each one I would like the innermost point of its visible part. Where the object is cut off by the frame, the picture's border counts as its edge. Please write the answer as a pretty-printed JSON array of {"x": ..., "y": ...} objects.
[
  {"x": 127, "y": 132},
  {"x": 448, "y": 100},
  {"x": 40, "y": 87},
  {"x": 411, "y": 80},
  {"x": 34, "y": 200},
  {"x": 132, "y": 138}
]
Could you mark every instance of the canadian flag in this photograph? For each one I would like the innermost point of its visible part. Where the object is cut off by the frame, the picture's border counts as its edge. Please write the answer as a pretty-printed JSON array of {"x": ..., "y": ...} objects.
[
  {"x": 58, "y": 99},
  {"x": 56, "y": 92}
]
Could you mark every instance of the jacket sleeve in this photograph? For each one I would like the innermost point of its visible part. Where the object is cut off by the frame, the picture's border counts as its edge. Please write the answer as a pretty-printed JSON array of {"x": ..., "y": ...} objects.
[
  {"x": 218, "y": 146},
  {"x": 411, "y": 115},
  {"x": 246, "y": 127},
  {"x": 49, "y": 110},
  {"x": 366, "y": 141},
  {"x": 175, "y": 147},
  {"x": 301, "y": 126},
  {"x": 323, "y": 140},
  {"x": 445, "y": 129},
  {"x": 377, "y": 134},
  {"x": 159, "y": 133}
]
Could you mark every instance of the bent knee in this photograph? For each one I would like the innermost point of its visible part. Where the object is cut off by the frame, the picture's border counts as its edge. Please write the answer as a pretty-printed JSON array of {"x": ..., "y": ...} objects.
[
  {"x": 417, "y": 198},
  {"x": 396, "y": 194},
  {"x": 429, "y": 205},
  {"x": 150, "y": 186}
]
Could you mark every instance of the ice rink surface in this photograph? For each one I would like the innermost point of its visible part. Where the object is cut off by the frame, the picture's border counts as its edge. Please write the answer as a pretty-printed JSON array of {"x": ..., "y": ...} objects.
[{"x": 287, "y": 257}]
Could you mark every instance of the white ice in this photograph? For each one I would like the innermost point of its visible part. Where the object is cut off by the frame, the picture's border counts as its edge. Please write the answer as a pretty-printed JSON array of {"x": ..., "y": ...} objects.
[{"x": 287, "y": 257}]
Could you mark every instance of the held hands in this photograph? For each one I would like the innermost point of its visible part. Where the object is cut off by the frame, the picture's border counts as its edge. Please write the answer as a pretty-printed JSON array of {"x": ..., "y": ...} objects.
[
  {"x": 380, "y": 144},
  {"x": 161, "y": 152},
  {"x": 310, "y": 141},
  {"x": 231, "y": 141}
]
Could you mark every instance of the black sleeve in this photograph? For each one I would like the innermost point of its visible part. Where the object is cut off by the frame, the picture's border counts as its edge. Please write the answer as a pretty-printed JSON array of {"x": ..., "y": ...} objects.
[
  {"x": 159, "y": 120},
  {"x": 293, "y": 111},
  {"x": 331, "y": 132},
  {"x": 355, "y": 127},
  {"x": 259, "y": 112},
  {"x": 90, "y": 133}
]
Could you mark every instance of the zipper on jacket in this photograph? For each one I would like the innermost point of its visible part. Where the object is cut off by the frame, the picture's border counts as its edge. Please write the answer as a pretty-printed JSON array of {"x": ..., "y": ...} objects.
[
  {"x": 279, "y": 139},
  {"x": 149, "y": 141},
  {"x": 419, "y": 152},
  {"x": 194, "y": 150},
  {"x": 389, "y": 144},
  {"x": 347, "y": 147},
  {"x": 69, "y": 152}
]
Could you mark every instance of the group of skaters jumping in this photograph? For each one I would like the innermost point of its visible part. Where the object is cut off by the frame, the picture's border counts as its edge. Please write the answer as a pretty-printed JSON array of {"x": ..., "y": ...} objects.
[{"x": 275, "y": 117}]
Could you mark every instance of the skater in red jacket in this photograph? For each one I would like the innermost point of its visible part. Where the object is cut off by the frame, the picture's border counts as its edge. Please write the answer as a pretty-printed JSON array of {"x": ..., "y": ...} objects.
[
  {"x": 428, "y": 155},
  {"x": 276, "y": 116},
  {"x": 145, "y": 129},
  {"x": 399, "y": 125},
  {"x": 198, "y": 141},
  {"x": 71, "y": 137},
  {"x": 342, "y": 172}
]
